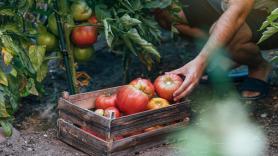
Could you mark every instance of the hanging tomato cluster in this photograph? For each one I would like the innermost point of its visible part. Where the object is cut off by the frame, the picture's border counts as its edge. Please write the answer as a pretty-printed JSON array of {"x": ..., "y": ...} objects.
[{"x": 84, "y": 35}]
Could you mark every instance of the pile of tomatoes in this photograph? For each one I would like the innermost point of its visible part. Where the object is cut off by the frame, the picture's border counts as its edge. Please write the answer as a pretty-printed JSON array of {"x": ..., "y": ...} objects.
[{"x": 138, "y": 96}]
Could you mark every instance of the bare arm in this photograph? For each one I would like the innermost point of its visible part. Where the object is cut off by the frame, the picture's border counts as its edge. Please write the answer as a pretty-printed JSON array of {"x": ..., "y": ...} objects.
[
  {"x": 228, "y": 24},
  {"x": 226, "y": 27}
]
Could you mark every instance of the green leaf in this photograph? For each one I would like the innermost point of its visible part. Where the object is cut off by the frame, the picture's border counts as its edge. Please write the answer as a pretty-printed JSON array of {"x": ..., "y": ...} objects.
[
  {"x": 270, "y": 19},
  {"x": 7, "y": 55},
  {"x": 127, "y": 21},
  {"x": 21, "y": 58},
  {"x": 7, "y": 127},
  {"x": 3, "y": 78},
  {"x": 7, "y": 12},
  {"x": 270, "y": 31},
  {"x": 150, "y": 29},
  {"x": 42, "y": 72},
  {"x": 30, "y": 88},
  {"x": 7, "y": 69},
  {"x": 136, "y": 5},
  {"x": 3, "y": 110},
  {"x": 264, "y": 25},
  {"x": 274, "y": 59},
  {"x": 102, "y": 12},
  {"x": 126, "y": 4},
  {"x": 13, "y": 72},
  {"x": 24, "y": 5},
  {"x": 108, "y": 33},
  {"x": 12, "y": 28},
  {"x": 36, "y": 55},
  {"x": 129, "y": 44},
  {"x": 12, "y": 92},
  {"x": 148, "y": 47}
]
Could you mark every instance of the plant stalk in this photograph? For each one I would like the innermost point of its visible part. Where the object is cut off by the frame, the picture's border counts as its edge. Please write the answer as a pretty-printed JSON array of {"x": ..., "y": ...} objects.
[{"x": 64, "y": 28}]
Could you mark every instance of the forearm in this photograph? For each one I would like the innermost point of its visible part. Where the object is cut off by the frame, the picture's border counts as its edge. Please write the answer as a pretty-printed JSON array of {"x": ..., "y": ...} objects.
[{"x": 225, "y": 28}]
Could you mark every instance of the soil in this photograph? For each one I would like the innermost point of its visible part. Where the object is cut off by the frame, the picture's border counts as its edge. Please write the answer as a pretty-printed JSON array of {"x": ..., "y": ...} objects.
[{"x": 36, "y": 119}]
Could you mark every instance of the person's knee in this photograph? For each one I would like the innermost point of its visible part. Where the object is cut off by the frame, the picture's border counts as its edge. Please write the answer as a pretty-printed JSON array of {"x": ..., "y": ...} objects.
[{"x": 242, "y": 37}]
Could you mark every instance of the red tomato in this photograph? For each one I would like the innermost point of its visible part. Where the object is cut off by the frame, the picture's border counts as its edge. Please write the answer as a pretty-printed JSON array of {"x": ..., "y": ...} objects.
[
  {"x": 105, "y": 101},
  {"x": 157, "y": 103},
  {"x": 131, "y": 100},
  {"x": 84, "y": 36},
  {"x": 166, "y": 85},
  {"x": 109, "y": 110},
  {"x": 93, "y": 133},
  {"x": 144, "y": 85},
  {"x": 92, "y": 20}
]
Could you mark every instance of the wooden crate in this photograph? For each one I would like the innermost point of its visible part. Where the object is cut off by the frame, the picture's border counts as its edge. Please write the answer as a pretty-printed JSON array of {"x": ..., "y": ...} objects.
[{"x": 74, "y": 112}]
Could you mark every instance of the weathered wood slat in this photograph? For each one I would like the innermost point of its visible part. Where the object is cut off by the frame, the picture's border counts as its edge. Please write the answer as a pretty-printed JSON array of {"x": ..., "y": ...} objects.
[
  {"x": 155, "y": 137},
  {"x": 91, "y": 145},
  {"x": 100, "y": 129},
  {"x": 80, "y": 139},
  {"x": 149, "y": 118},
  {"x": 83, "y": 117},
  {"x": 85, "y": 114},
  {"x": 91, "y": 95},
  {"x": 126, "y": 119}
]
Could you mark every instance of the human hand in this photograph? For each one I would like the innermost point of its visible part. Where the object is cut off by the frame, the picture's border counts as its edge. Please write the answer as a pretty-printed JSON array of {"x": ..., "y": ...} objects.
[{"x": 192, "y": 73}]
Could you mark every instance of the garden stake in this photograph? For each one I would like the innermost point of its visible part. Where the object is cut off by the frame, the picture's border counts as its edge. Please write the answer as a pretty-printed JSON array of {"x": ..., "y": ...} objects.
[{"x": 64, "y": 51}]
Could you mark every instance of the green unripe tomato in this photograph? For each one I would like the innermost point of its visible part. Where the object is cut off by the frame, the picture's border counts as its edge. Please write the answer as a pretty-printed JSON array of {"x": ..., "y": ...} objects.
[
  {"x": 47, "y": 39},
  {"x": 82, "y": 55},
  {"x": 80, "y": 11},
  {"x": 52, "y": 24}
]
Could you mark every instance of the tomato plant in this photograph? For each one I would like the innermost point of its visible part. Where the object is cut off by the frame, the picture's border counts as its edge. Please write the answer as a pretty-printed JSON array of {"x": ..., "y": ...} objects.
[
  {"x": 23, "y": 64},
  {"x": 128, "y": 27}
]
